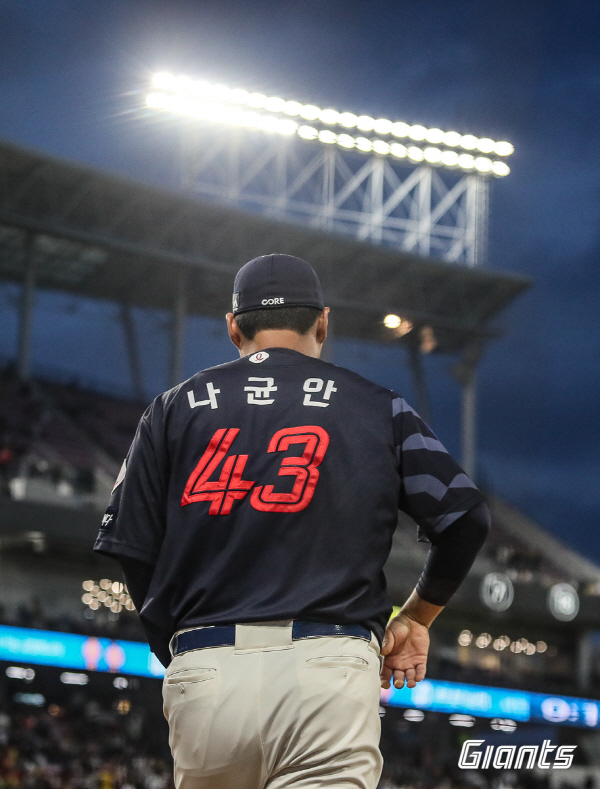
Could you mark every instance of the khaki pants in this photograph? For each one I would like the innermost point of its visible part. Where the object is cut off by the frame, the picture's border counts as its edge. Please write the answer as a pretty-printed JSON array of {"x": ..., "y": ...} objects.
[{"x": 272, "y": 712}]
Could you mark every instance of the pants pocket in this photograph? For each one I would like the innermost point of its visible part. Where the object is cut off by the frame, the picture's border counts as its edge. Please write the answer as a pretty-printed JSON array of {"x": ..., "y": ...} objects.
[
  {"x": 190, "y": 675},
  {"x": 338, "y": 661}
]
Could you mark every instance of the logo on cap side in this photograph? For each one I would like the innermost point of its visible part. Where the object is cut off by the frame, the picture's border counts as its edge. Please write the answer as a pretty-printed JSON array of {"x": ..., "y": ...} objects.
[
  {"x": 236, "y": 301},
  {"x": 270, "y": 302},
  {"x": 259, "y": 357}
]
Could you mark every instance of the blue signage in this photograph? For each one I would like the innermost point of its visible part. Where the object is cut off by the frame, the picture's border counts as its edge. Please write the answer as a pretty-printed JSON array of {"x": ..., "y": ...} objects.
[
  {"x": 87, "y": 653},
  {"x": 487, "y": 702},
  {"x": 47, "y": 648}
]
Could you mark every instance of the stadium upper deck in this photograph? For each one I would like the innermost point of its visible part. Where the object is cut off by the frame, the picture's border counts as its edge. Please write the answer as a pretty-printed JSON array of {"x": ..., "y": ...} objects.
[{"x": 103, "y": 236}]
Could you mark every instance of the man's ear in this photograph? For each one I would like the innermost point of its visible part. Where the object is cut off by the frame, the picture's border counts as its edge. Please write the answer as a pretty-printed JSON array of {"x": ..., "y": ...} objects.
[
  {"x": 235, "y": 334},
  {"x": 322, "y": 323}
]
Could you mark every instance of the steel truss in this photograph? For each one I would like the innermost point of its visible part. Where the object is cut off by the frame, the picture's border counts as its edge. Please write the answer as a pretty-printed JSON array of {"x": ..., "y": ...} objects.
[{"x": 422, "y": 209}]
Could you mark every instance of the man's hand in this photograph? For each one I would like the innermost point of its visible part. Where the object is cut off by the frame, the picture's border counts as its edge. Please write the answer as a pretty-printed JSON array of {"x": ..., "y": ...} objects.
[
  {"x": 406, "y": 643},
  {"x": 405, "y": 649}
]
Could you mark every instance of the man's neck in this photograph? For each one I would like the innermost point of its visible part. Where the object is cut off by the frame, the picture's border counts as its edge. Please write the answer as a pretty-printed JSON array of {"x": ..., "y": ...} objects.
[{"x": 282, "y": 338}]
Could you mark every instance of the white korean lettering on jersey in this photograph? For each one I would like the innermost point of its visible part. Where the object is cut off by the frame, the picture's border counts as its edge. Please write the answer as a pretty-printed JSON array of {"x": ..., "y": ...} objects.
[
  {"x": 313, "y": 386},
  {"x": 212, "y": 397},
  {"x": 260, "y": 394}
]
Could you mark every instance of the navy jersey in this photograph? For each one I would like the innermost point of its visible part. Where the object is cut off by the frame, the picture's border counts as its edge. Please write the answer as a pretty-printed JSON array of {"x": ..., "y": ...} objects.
[{"x": 268, "y": 489}]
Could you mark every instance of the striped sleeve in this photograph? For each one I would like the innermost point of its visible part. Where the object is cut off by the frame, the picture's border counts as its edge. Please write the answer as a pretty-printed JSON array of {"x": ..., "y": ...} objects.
[{"x": 434, "y": 489}]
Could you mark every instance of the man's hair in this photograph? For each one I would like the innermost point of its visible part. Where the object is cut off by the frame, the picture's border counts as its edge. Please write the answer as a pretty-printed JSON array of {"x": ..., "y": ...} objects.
[{"x": 298, "y": 319}]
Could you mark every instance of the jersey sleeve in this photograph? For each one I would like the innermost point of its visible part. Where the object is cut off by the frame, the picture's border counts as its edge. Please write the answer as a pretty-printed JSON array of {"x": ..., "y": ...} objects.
[
  {"x": 434, "y": 489},
  {"x": 134, "y": 522}
]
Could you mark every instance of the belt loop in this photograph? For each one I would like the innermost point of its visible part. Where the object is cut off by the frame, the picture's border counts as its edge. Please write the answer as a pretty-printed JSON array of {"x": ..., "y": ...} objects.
[{"x": 261, "y": 636}]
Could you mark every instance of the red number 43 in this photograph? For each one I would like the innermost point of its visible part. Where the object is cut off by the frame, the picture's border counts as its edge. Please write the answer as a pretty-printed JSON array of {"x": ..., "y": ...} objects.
[{"x": 230, "y": 486}]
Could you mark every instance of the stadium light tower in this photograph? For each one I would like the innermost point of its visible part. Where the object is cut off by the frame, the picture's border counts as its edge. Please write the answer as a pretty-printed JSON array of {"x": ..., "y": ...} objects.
[
  {"x": 421, "y": 190},
  {"x": 387, "y": 182}
]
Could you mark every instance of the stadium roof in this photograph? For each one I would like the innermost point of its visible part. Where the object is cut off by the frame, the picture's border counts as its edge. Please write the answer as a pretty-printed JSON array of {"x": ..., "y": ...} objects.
[{"x": 103, "y": 236}]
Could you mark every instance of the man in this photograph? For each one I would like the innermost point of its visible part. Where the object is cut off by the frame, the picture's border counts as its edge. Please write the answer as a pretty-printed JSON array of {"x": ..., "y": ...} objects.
[{"x": 252, "y": 519}]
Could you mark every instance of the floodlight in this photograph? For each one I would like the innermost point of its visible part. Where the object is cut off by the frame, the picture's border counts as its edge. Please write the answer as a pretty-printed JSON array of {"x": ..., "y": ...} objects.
[
  {"x": 449, "y": 158},
  {"x": 239, "y": 96},
  {"x": 155, "y": 100},
  {"x": 162, "y": 80},
  {"x": 325, "y": 135},
  {"x": 363, "y": 144},
  {"x": 221, "y": 93},
  {"x": 382, "y": 147},
  {"x": 330, "y": 117},
  {"x": 257, "y": 100},
  {"x": 346, "y": 140},
  {"x": 310, "y": 112},
  {"x": 452, "y": 139},
  {"x": 399, "y": 150},
  {"x": 503, "y": 148},
  {"x": 348, "y": 119},
  {"x": 417, "y": 132},
  {"x": 466, "y": 161},
  {"x": 365, "y": 122},
  {"x": 292, "y": 108},
  {"x": 485, "y": 145},
  {"x": 392, "y": 321},
  {"x": 400, "y": 129},
  {"x": 275, "y": 104},
  {"x": 468, "y": 142},
  {"x": 308, "y": 132},
  {"x": 483, "y": 164},
  {"x": 218, "y": 103},
  {"x": 434, "y": 136},
  {"x": 433, "y": 155},
  {"x": 500, "y": 168},
  {"x": 383, "y": 126},
  {"x": 416, "y": 154}
]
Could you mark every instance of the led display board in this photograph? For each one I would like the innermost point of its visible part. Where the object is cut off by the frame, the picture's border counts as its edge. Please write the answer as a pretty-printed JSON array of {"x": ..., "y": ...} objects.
[{"x": 88, "y": 653}]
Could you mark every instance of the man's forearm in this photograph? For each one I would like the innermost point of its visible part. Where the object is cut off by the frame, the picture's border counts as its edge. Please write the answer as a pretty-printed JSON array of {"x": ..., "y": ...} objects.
[
  {"x": 451, "y": 556},
  {"x": 420, "y": 610}
]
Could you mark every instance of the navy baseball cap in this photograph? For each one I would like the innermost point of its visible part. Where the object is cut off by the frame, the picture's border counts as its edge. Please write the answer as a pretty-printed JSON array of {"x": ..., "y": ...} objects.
[{"x": 272, "y": 281}]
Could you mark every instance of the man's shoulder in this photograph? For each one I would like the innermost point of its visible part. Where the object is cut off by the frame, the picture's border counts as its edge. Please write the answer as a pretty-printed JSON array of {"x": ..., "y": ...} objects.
[{"x": 359, "y": 381}]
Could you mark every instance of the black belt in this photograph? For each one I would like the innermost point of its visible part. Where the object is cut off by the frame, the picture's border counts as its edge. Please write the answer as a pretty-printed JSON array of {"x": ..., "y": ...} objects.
[{"x": 224, "y": 635}]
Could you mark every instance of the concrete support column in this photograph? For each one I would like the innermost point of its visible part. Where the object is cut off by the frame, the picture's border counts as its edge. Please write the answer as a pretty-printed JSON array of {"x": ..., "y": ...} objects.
[
  {"x": 469, "y": 426},
  {"x": 26, "y": 311},
  {"x": 416, "y": 366},
  {"x": 584, "y": 662},
  {"x": 178, "y": 327},
  {"x": 133, "y": 353}
]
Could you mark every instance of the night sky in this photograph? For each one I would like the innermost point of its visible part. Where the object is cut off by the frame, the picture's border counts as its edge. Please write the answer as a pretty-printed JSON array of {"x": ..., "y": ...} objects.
[{"x": 528, "y": 72}]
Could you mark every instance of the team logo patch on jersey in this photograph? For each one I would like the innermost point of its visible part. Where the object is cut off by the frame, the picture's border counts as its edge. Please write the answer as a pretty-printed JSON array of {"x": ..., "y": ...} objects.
[
  {"x": 259, "y": 357},
  {"x": 121, "y": 475},
  {"x": 109, "y": 518}
]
